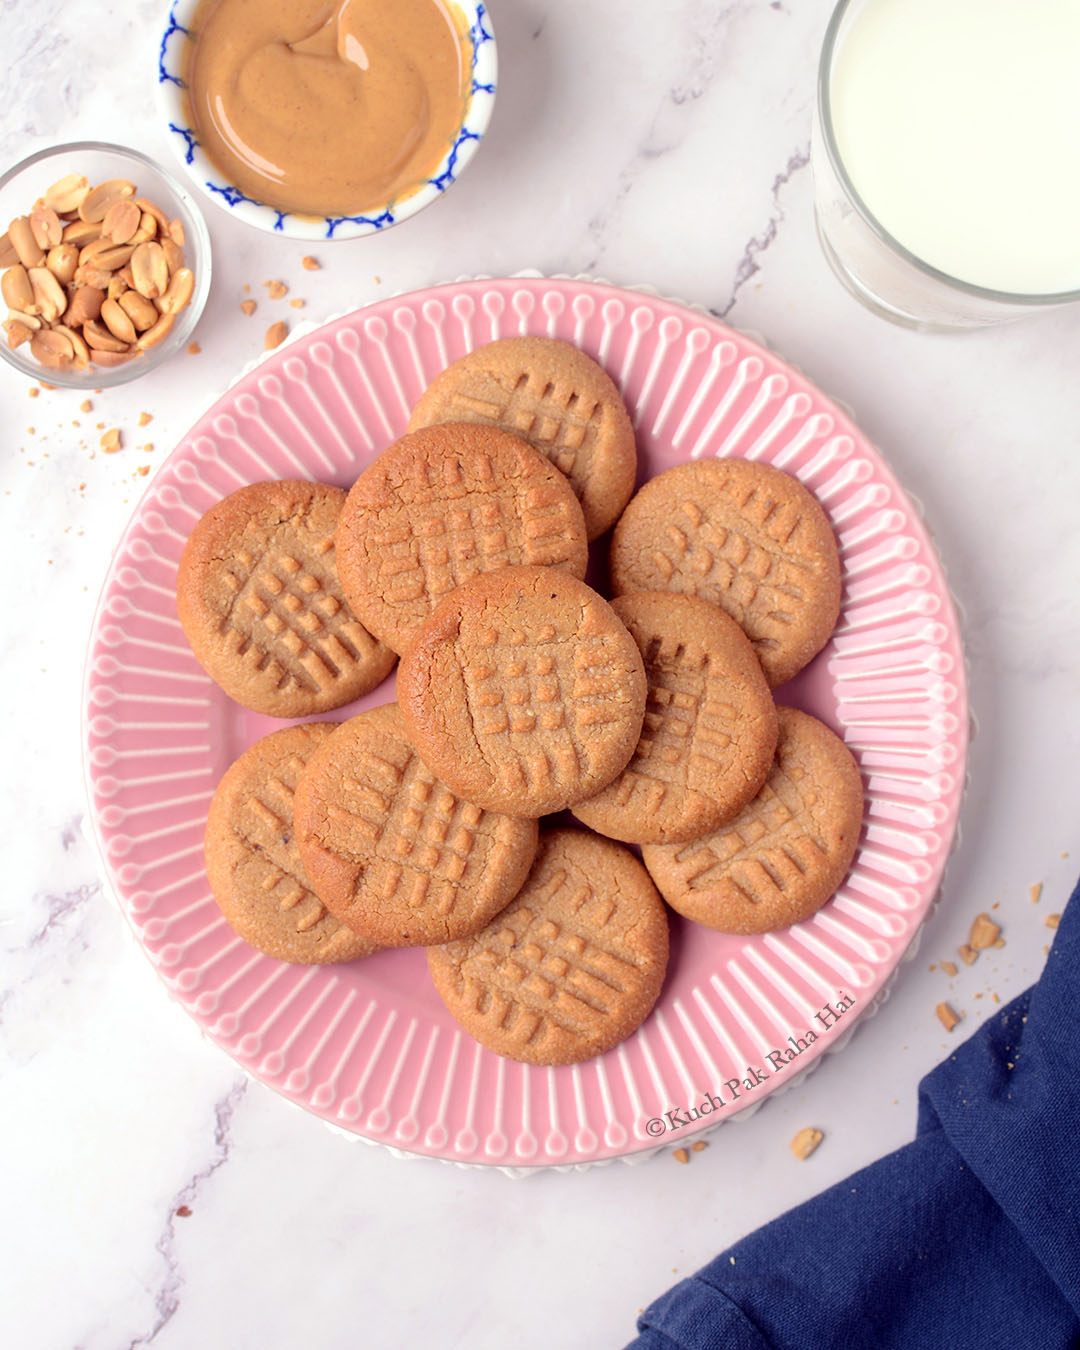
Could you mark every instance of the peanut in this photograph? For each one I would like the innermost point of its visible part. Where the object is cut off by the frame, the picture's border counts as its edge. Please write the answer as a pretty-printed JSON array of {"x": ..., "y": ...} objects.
[
  {"x": 150, "y": 270},
  {"x": 46, "y": 227},
  {"x": 67, "y": 193},
  {"x": 95, "y": 205},
  {"x": 17, "y": 333},
  {"x": 85, "y": 306},
  {"x": 30, "y": 252},
  {"x": 80, "y": 233},
  {"x": 805, "y": 1142},
  {"x": 16, "y": 289},
  {"x": 8, "y": 256},
  {"x": 121, "y": 221},
  {"x": 153, "y": 336},
  {"x": 179, "y": 292},
  {"x": 143, "y": 313},
  {"x": 99, "y": 337},
  {"x": 62, "y": 261},
  {"x": 49, "y": 296},
  {"x": 52, "y": 349},
  {"x": 117, "y": 322}
]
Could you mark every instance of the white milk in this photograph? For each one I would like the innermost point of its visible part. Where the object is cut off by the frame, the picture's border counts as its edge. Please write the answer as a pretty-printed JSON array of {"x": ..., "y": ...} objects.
[{"x": 958, "y": 122}]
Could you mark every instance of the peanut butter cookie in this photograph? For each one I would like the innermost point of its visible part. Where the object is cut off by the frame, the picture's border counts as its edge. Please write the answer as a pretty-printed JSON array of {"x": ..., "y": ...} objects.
[
  {"x": 441, "y": 506},
  {"x": 572, "y": 966},
  {"x": 710, "y": 725},
  {"x": 260, "y": 602},
  {"x": 252, "y": 860},
  {"x": 391, "y": 850},
  {"x": 747, "y": 537},
  {"x": 524, "y": 691},
  {"x": 786, "y": 853},
  {"x": 556, "y": 398}
]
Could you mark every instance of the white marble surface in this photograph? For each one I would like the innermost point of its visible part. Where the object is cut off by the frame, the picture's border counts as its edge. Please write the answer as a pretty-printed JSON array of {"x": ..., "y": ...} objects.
[{"x": 669, "y": 150}]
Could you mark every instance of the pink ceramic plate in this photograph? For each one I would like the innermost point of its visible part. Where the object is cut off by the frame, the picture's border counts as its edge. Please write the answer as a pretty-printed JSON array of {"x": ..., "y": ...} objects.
[{"x": 369, "y": 1046}]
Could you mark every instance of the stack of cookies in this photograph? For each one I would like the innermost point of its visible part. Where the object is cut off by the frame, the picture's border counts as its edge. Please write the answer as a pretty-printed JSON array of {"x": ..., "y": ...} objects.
[{"x": 522, "y": 692}]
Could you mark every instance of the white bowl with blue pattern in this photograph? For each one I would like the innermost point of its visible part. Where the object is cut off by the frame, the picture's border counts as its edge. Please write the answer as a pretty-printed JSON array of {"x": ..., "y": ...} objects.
[{"x": 173, "y": 62}]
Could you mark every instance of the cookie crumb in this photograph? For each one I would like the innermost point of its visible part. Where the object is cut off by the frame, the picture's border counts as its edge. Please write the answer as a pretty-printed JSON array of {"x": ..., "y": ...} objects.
[
  {"x": 296, "y": 304},
  {"x": 275, "y": 335},
  {"x": 86, "y": 406},
  {"x": 805, "y": 1142},
  {"x": 949, "y": 967},
  {"x": 248, "y": 306},
  {"x": 184, "y": 1212},
  {"x": 681, "y": 1155},
  {"x": 276, "y": 289},
  {"x": 1052, "y": 920},
  {"x": 967, "y": 954},
  {"x": 110, "y": 442},
  {"x": 310, "y": 264},
  {"x": 145, "y": 419},
  {"x": 143, "y": 470},
  {"x": 193, "y": 349},
  {"x": 946, "y": 1016},
  {"x": 984, "y": 932},
  {"x": 33, "y": 391},
  {"x": 699, "y": 1145}
]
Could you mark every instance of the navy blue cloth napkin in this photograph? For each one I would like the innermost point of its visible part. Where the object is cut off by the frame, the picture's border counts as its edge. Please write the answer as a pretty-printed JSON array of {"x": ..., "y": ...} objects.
[{"x": 968, "y": 1238}]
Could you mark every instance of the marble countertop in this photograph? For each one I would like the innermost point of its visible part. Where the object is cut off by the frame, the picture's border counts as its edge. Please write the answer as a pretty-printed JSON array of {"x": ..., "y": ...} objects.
[{"x": 151, "y": 1193}]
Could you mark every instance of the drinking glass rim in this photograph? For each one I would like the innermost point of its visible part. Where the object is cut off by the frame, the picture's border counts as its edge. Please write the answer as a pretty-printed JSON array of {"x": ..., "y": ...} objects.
[{"x": 824, "y": 104}]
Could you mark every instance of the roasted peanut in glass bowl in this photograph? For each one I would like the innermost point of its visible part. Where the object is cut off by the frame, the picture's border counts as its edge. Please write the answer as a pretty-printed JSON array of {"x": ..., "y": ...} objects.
[{"x": 104, "y": 265}]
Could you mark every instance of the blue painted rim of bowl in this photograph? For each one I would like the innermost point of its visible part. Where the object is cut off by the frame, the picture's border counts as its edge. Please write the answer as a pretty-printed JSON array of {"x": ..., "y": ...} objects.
[{"x": 171, "y": 86}]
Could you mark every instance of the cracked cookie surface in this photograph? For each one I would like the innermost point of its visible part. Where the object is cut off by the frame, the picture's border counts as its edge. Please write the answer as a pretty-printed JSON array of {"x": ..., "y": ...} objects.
[
  {"x": 524, "y": 691},
  {"x": 261, "y": 604},
  {"x": 391, "y": 850},
  {"x": 572, "y": 966},
  {"x": 252, "y": 860},
  {"x": 786, "y": 853}
]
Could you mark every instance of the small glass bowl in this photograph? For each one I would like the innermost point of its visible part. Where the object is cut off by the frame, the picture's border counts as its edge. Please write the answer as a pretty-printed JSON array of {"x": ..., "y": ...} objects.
[
  {"x": 20, "y": 188},
  {"x": 173, "y": 59}
]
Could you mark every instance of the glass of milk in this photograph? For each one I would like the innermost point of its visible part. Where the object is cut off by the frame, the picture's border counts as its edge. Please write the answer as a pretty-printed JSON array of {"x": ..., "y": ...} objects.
[{"x": 945, "y": 157}]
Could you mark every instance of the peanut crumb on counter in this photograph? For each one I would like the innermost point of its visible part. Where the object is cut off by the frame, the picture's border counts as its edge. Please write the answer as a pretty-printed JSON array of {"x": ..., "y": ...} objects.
[
  {"x": 310, "y": 264},
  {"x": 1065, "y": 855},
  {"x": 30, "y": 431},
  {"x": 33, "y": 391},
  {"x": 979, "y": 995},
  {"x": 984, "y": 932},
  {"x": 276, "y": 289},
  {"x": 699, "y": 1145},
  {"x": 184, "y": 1212},
  {"x": 296, "y": 304},
  {"x": 1035, "y": 892},
  {"x": 946, "y": 1016},
  {"x": 681, "y": 1156},
  {"x": 949, "y": 967},
  {"x": 933, "y": 965},
  {"x": 143, "y": 470},
  {"x": 86, "y": 406},
  {"x": 967, "y": 954},
  {"x": 275, "y": 335},
  {"x": 1052, "y": 920},
  {"x": 145, "y": 419},
  {"x": 805, "y": 1142},
  {"x": 148, "y": 446},
  {"x": 193, "y": 349},
  {"x": 998, "y": 942},
  {"x": 378, "y": 281},
  {"x": 110, "y": 442},
  {"x": 247, "y": 290},
  {"x": 995, "y": 998},
  {"x": 248, "y": 306}
]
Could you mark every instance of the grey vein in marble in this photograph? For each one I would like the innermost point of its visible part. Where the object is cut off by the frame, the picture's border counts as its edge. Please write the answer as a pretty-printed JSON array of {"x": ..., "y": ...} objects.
[{"x": 748, "y": 265}]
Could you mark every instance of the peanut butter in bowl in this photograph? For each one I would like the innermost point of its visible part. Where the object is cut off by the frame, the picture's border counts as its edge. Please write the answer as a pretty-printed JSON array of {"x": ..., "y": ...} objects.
[{"x": 328, "y": 109}]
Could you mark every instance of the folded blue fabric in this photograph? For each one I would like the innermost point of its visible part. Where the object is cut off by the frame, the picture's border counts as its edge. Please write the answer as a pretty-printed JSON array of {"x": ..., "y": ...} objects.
[{"x": 968, "y": 1238}]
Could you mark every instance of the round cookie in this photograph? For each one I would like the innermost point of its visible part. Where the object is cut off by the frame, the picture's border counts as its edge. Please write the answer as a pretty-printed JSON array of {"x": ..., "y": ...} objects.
[
  {"x": 392, "y": 851},
  {"x": 260, "y": 602},
  {"x": 252, "y": 860},
  {"x": 710, "y": 725},
  {"x": 441, "y": 506},
  {"x": 524, "y": 691},
  {"x": 786, "y": 853},
  {"x": 556, "y": 398},
  {"x": 747, "y": 537},
  {"x": 572, "y": 966}
]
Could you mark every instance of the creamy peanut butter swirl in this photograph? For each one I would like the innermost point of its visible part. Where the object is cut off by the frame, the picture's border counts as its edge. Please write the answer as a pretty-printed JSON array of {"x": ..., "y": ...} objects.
[{"x": 327, "y": 108}]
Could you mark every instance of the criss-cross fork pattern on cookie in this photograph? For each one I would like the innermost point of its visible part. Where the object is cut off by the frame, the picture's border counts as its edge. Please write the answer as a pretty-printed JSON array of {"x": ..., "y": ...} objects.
[
  {"x": 688, "y": 725},
  {"x": 536, "y": 700},
  {"x": 774, "y": 843},
  {"x": 286, "y": 624},
  {"x": 564, "y": 424},
  {"x": 267, "y": 832},
  {"x": 736, "y": 553},
  {"x": 458, "y": 522},
  {"x": 417, "y": 839},
  {"x": 534, "y": 973}
]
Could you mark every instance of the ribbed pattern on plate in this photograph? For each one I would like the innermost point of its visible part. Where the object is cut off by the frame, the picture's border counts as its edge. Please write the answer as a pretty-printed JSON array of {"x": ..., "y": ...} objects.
[{"x": 369, "y": 1046}]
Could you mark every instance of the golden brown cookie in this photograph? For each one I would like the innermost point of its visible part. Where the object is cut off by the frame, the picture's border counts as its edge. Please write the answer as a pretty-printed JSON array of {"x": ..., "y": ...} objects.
[
  {"x": 524, "y": 691},
  {"x": 747, "y": 537},
  {"x": 252, "y": 860},
  {"x": 391, "y": 850},
  {"x": 786, "y": 853},
  {"x": 556, "y": 398},
  {"x": 710, "y": 725},
  {"x": 260, "y": 601},
  {"x": 444, "y": 505},
  {"x": 572, "y": 966}
]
